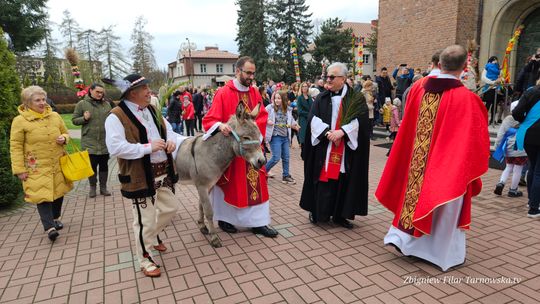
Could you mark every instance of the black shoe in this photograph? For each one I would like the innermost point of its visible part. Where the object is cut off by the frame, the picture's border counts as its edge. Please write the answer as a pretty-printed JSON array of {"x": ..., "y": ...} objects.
[
  {"x": 52, "y": 234},
  {"x": 227, "y": 227},
  {"x": 514, "y": 193},
  {"x": 265, "y": 231},
  {"x": 58, "y": 225},
  {"x": 312, "y": 219},
  {"x": 533, "y": 213},
  {"x": 499, "y": 188},
  {"x": 343, "y": 223},
  {"x": 522, "y": 182}
]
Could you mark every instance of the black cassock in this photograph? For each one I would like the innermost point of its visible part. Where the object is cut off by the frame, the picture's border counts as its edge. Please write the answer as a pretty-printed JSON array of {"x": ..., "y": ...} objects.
[{"x": 347, "y": 196}]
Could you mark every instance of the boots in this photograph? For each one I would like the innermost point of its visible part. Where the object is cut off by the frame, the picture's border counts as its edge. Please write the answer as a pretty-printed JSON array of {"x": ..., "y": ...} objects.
[
  {"x": 103, "y": 183},
  {"x": 93, "y": 182}
]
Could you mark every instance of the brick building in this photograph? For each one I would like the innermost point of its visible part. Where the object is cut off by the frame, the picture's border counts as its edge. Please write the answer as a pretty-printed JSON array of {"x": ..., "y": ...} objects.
[{"x": 410, "y": 31}]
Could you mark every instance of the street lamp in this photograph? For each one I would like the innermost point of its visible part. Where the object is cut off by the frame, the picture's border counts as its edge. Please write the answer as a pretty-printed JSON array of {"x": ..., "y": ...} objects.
[{"x": 190, "y": 80}]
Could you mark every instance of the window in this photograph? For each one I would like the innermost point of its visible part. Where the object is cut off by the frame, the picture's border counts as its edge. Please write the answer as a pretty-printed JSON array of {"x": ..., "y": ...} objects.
[
  {"x": 366, "y": 59},
  {"x": 203, "y": 68},
  {"x": 219, "y": 68}
]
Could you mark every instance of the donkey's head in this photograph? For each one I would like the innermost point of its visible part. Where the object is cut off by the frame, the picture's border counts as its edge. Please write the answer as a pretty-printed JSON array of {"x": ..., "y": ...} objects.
[{"x": 247, "y": 136}]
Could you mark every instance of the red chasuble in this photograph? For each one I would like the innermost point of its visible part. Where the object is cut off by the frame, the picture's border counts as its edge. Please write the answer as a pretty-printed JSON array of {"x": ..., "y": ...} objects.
[
  {"x": 241, "y": 183},
  {"x": 441, "y": 150}
]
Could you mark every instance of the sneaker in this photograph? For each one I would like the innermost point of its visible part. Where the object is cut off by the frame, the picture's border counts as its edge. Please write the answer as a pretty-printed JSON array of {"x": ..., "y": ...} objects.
[
  {"x": 499, "y": 188},
  {"x": 514, "y": 193},
  {"x": 288, "y": 180},
  {"x": 533, "y": 213}
]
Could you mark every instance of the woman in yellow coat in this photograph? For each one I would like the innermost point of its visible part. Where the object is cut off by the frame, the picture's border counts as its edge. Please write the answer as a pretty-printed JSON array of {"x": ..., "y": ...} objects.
[{"x": 38, "y": 136}]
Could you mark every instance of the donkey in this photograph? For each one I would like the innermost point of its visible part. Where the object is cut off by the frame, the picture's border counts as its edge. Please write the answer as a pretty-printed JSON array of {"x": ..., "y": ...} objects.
[{"x": 202, "y": 162}]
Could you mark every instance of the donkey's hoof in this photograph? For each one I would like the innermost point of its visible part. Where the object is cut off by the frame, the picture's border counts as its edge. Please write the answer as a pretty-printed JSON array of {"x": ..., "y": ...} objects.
[
  {"x": 216, "y": 243},
  {"x": 204, "y": 230}
]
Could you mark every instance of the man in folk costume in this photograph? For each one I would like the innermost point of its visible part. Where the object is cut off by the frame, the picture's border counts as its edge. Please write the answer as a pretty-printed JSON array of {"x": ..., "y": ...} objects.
[
  {"x": 240, "y": 197},
  {"x": 336, "y": 153},
  {"x": 434, "y": 169},
  {"x": 144, "y": 142}
]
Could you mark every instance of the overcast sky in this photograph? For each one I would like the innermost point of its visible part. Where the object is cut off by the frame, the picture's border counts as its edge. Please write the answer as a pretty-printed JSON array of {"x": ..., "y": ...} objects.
[{"x": 204, "y": 22}]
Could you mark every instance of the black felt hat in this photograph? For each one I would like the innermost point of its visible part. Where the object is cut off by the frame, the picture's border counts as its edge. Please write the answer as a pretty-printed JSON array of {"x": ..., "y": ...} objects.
[{"x": 127, "y": 84}]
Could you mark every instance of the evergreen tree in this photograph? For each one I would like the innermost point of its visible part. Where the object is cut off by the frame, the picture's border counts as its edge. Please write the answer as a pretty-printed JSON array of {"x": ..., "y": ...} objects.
[
  {"x": 287, "y": 18},
  {"x": 24, "y": 21},
  {"x": 333, "y": 42},
  {"x": 89, "y": 49},
  {"x": 10, "y": 90},
  {"x": 70, "y": 29},
  {"x": 110, "y": 53},
  {"x": 251, "y": 37},
  {"x": 50, "y": 62},
  {"x": 142, "y": 52}
]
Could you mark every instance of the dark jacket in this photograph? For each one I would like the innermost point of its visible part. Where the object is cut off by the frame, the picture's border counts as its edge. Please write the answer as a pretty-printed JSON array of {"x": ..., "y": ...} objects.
[
  {"x": 304, "y": 106},
  {"x": 527, "y": 101},
  {"x": 198, "y": 103},
  {"x": 174, "y": 111},
  {"x": 385, "y": 88},
  {"x": 93, "y": 130}
]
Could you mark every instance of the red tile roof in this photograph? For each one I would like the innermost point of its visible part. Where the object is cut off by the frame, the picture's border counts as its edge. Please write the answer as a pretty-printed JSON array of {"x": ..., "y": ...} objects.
[
  {"x": 210, "y": 53},
  {"x": 359, "y": 29}
]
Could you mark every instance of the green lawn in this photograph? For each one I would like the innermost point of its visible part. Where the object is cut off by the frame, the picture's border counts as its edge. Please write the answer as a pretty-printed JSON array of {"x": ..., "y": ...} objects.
[
  {"x": 67, "y": 121},
  {"x": 76, "y": 142}
]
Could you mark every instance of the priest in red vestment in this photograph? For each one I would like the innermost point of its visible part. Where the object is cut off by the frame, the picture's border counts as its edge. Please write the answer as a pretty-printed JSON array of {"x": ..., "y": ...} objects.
[
  {"x": 434, "y": 169},
  {"x": 240, "y": 197}
]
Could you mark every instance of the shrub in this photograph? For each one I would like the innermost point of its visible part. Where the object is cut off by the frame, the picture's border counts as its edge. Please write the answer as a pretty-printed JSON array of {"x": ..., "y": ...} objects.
[
  {"x": 10, "y": 91},
  {"x": 65, "y": 108}
]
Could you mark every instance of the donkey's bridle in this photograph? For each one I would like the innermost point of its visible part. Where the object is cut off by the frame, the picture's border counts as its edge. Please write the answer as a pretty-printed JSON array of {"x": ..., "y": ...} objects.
[{"x": 241, "y": 143}]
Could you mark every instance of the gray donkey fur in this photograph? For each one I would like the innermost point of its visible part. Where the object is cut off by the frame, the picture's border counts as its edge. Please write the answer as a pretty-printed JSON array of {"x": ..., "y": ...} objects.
[{"x": 203, "y": 161}]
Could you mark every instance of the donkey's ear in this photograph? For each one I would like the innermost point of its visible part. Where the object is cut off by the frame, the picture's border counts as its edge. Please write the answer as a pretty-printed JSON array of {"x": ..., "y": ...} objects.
[
  {"x": 240, "y": 111},
  {"x": 255, "y": 111}
]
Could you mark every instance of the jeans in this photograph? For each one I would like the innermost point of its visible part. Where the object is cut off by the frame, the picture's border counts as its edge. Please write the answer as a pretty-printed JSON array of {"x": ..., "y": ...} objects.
[
  {"x": 533, "y": 178},
  {"x": 177, "y": 127},
  {"x": 280, "y": 150},
  {"x": 50, "y": 211}
]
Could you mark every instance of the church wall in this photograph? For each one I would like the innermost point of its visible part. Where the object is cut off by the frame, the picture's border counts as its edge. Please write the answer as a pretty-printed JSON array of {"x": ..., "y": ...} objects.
[{"x": 411, "y": 31}]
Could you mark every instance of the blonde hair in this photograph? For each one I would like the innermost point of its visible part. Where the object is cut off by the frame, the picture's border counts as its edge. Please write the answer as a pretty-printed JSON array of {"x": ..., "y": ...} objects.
[
  {"x": 300, "y": 88},
  {"x": 29, "y": 92}
]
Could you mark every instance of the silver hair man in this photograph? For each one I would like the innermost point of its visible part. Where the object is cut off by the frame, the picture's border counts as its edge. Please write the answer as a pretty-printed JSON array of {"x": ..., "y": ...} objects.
[{"x": 341, "y": 66}]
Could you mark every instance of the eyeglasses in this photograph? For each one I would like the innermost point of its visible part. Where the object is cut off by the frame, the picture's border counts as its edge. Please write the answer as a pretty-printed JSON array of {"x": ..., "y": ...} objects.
[
  {"x": 332, "y": 77},
  {"x": 249, "y": 73}
]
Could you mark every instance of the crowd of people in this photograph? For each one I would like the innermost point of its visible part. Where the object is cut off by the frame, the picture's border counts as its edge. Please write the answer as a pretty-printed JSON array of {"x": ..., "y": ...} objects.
[{"x": 437, "y": 113}]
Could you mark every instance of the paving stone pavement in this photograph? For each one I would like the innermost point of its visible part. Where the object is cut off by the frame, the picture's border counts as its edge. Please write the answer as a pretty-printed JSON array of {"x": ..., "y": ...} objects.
[{"x": 92, "y": 260}]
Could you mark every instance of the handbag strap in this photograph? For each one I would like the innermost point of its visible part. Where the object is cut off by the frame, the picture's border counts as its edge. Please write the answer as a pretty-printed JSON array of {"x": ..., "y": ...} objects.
[{"x": 74, "y": 147}]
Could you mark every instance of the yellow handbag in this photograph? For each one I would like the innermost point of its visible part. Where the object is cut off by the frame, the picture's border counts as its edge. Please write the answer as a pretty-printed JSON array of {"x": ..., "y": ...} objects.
[{"x": 76, "y": 165}]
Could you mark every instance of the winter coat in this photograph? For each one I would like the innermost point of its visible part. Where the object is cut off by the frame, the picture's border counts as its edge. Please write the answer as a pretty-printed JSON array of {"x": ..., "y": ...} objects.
[
  {"x": 304, "y": 106},
  {"x": 511, "y": 151},
  {"x": 34, "y": 150},
  {"x": 93, "y": 130},
  {"x": 394, "y": 122},
  {"x": 272, "y": 117},
  {"x": 174, "y": 111},
  {"x": 188, "y": 112},
  {"x": 386, "y": 113}
]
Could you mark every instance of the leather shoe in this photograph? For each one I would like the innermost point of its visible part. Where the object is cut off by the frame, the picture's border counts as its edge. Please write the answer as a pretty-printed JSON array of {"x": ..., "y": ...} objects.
[
  {"x": 160, "y": 247},
  {"x": 343, "y": 223},
  {"x": 52, "y": 234},
  {"x": 265, "y": 231},
  {"x": 227, "y": 227},
  {"x": 58, "y": 225}
]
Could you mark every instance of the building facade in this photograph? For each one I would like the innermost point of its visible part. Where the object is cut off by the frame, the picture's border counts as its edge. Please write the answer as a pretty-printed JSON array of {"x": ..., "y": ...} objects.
[
  {"x": 363, "y": 30},
  {"x": 202, "y": 68},
  {"x": 411, "y": 31}
]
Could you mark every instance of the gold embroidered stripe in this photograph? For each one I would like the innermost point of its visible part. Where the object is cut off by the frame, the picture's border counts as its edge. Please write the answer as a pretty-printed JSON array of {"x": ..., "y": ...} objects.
[{"x": 424, "y": 130}]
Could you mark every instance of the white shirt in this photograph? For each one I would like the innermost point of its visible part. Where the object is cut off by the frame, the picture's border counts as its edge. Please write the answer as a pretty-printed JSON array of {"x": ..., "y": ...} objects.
[
  {"x": 118, "y": 146},
  {"x": 318, "y": 126}
]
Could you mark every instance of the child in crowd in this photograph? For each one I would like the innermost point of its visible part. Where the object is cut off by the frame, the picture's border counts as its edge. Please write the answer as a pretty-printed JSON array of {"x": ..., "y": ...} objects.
[
  {"x": 278, "y": 133},
  {"x": 386, "y": 112},
  {"x": 515, "y": 159},
  {"x": 188, "y": 115},
  {"x": 367, "y": 90},
  {"x": 395, "y": 120}
]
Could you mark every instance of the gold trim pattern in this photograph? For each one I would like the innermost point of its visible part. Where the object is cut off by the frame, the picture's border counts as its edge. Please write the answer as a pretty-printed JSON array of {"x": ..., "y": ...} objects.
[
  {"x": 422, "y": 141},
  {"x": 253, "y": 180}
]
